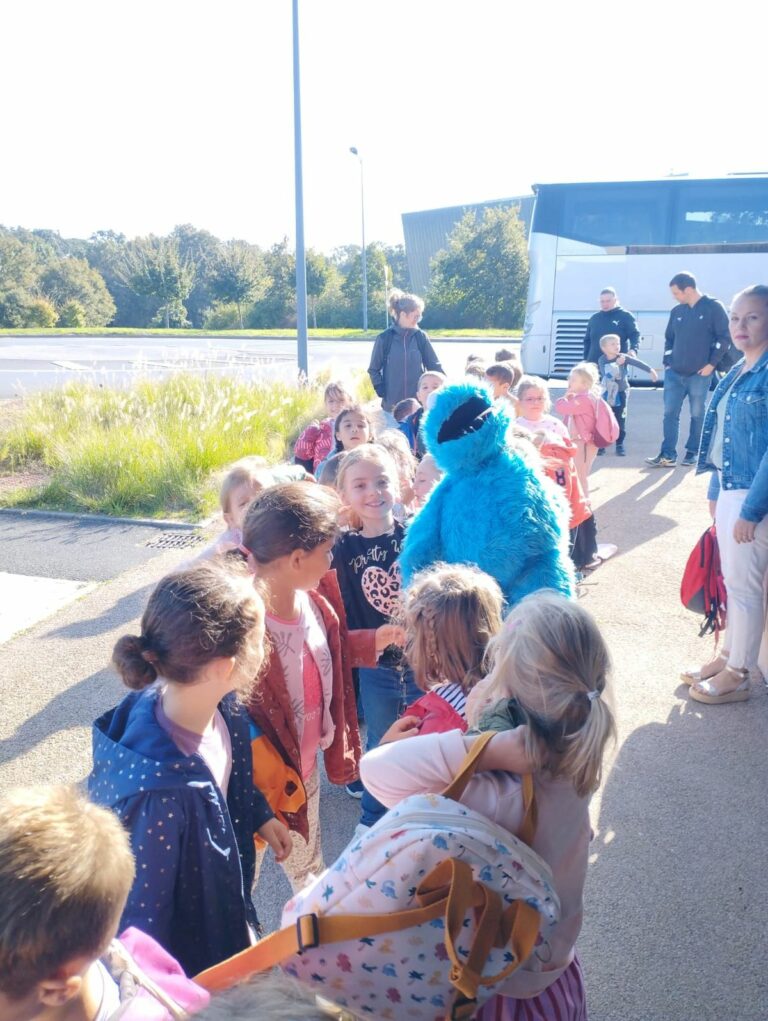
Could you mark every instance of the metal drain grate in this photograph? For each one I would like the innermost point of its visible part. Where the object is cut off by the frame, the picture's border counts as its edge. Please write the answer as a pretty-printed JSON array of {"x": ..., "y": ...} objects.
[{"x": 175, "y": 540}]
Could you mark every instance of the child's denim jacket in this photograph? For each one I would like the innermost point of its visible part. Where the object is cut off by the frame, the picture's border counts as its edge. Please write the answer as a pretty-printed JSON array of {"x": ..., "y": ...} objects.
[{"x": 745, "y": 438}]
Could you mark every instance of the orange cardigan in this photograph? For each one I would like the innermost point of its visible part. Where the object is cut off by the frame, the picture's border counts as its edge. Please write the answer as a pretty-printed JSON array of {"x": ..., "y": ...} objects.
[
  {"x": 270, "y": 708},
  {"x": 558, "y": 464}
]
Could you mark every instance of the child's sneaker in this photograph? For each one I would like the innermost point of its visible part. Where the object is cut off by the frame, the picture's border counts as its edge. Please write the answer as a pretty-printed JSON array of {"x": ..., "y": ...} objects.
[
  {"x": 355, "y": 789},
  {"x": 620, "y": 451}
]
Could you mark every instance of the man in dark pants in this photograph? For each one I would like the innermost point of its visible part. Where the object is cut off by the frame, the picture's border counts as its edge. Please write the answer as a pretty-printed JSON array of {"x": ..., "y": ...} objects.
[
  {"x": 611, "y": 318},
  {"x": 697, "y": 340}
]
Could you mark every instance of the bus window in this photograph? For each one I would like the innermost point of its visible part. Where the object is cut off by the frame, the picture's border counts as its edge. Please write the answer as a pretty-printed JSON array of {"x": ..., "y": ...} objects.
[
  {"x": 706, "y": 213},
  {"x": 608, "y": 215}
]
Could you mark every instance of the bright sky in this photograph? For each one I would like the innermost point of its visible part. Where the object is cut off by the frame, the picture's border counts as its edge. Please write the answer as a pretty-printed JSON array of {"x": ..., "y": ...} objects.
[{"x": 138, "y": 116}]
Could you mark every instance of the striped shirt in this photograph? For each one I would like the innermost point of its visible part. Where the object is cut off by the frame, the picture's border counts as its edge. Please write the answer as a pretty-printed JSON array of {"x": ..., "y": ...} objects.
[{"x": 455, "y": 696}]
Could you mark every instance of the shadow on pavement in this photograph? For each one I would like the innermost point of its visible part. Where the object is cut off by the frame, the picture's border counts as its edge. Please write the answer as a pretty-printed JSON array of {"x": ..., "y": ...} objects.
[
  {"x": 77, "y": 706},
  {"x": 613, "y": 515},
  {"x": 125, "y": 609},
  {"x": 678, "y": 876}
]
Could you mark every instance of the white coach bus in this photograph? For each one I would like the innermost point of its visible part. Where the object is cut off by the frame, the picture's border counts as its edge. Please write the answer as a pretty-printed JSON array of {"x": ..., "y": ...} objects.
[{"x": 634, "y": 236}]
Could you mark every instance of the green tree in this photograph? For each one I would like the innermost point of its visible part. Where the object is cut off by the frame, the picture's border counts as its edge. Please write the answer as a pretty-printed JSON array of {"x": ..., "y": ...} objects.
[
  {"x": 278, "y": 306},
  {"x": 67, "y": 279},
  {"x": 319, "y": 274},
  {"x": 378, "y": 277},
  {"x": 481, "y": 278},
  {"x": 399, "y": 275},
  {"x": 154, "y": 267},
  {"x": 239, "y": 275},
  {"x": 200, "y": 248},
  {"x": 107, "y": 252}
]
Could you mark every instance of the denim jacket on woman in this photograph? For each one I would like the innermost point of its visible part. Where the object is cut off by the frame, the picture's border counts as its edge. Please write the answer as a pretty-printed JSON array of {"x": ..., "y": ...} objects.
[{"x": 745, "y": 438}]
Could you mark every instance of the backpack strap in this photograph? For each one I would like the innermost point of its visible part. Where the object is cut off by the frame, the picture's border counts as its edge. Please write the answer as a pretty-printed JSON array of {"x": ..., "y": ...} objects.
[
  {"x": 467, "y": 769},
  {"x": 447, "y": 892}
]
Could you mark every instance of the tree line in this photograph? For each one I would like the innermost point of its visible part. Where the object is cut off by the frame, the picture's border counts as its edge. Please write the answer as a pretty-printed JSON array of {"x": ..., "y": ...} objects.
[{"x": 190, "y": 278}]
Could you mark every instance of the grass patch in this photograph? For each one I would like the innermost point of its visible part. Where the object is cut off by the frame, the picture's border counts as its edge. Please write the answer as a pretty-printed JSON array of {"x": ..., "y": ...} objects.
[
  {"x": 346, "y": 334},
  {"x": 153, "y": 449}
]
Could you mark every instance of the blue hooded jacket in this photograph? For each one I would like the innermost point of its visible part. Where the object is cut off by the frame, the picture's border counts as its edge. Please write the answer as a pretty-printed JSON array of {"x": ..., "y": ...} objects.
[{"x": 194, "y": 850}]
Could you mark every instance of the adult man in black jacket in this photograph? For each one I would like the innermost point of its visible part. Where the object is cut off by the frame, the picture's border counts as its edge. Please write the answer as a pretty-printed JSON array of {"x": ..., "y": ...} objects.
[
  {"x": 611, "y": 318},
  {"x": 697, "y": 341}
]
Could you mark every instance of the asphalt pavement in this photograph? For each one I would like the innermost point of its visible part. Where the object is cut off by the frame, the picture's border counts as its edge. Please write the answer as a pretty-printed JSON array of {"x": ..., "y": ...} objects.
[{"x": 674, "y": 926}]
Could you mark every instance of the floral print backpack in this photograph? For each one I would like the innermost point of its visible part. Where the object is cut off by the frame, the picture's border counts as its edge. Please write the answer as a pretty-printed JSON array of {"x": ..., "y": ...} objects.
[{"x": 423, "y": 917}]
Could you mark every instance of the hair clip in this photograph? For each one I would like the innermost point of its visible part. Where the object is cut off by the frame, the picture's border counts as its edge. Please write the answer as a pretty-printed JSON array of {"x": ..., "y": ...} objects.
[{"x": 592, "y": 695}]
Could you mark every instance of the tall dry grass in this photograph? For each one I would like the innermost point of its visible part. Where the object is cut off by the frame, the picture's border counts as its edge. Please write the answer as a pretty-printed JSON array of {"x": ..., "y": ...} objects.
[{"x": 152, "y": 448}]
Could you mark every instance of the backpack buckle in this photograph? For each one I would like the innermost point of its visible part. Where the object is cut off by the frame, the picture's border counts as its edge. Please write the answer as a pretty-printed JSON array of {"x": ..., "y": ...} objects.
[{"x": 307, "y": 932}]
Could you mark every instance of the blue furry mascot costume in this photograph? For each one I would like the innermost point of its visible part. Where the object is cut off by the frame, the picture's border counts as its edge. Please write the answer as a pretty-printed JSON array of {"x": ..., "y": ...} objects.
[{"x": 491, "y": 508}]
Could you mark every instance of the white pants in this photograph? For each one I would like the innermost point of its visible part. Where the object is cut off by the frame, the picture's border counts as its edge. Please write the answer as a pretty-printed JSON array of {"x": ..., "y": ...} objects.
[{"x": 744, "y": 569}]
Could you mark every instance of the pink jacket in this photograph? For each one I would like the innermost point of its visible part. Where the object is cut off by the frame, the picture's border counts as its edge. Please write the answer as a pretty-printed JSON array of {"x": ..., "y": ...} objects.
[
  {"x": 426, "y": 764},
  {"x": 580, "y": 415},
  {"x": 315, "y": 442}
]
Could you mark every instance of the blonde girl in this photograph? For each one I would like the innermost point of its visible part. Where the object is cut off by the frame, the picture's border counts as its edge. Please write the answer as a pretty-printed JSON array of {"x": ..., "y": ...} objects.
[
  {"x": 452, "y": 611},
  {"x": 396, "y": 445},
  {"x": 366, "y": 563},
  {"x": 548, "y": 675},
  {"x": 579, "y": 409}
]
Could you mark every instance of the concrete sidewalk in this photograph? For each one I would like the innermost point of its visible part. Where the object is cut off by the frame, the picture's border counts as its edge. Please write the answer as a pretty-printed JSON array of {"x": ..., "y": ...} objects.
[{"x": 674, "y": 927}]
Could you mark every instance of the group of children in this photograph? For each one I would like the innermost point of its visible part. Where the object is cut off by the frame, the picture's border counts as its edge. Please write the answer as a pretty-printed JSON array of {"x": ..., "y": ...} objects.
[{"x": 243, "y": 671}]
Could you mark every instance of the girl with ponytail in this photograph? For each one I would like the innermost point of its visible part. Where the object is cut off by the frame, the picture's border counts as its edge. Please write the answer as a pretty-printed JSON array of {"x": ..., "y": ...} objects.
[
  {"x": 546, "y": 693},
  {"x": 173, "y": 761}
]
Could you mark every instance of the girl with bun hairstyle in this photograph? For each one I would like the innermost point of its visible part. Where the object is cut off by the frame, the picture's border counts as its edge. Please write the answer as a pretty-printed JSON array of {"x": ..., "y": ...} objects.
[
  {"x": 401, "y": 353},
  {"x": 173, "y": 761}
]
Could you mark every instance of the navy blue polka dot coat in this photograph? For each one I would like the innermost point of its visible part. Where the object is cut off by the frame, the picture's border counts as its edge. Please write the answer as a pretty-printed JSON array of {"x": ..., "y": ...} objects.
[{"x": 194, "y": 849}]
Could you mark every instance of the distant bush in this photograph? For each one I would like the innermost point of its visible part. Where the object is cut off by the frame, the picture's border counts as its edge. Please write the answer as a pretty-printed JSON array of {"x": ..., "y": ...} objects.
[
  {"x": 223, "y": 316},
  {"x": 72, "y": 315},
  {"x": 41, "y": 312}
]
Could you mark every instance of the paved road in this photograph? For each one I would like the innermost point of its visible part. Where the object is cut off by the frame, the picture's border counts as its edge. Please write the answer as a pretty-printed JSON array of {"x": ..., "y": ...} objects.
[
  {"x": 39, "y": 363},
  {"x": 674, "y": 927}
]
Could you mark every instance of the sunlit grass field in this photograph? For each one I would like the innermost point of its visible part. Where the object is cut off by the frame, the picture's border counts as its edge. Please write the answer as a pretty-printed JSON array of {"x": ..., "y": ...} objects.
[{"x": 155, "y": 448}]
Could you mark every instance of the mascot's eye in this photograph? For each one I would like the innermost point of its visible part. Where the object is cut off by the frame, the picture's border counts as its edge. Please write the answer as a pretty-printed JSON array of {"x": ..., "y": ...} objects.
[{"x": 467, "y": 418}]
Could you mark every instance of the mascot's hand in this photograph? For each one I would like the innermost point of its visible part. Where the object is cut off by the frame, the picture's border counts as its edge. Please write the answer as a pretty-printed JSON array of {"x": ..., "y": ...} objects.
[
  {"x": 389, "y": 634},
  {"x": 406, "y": 726},
  {"x": 278, "y": 836}
]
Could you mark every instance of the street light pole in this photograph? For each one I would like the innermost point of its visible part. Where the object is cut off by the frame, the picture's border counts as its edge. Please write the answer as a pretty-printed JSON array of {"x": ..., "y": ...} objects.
[
  {"x": 353, "y": 150},
  {"x": 301, "y": 264}
]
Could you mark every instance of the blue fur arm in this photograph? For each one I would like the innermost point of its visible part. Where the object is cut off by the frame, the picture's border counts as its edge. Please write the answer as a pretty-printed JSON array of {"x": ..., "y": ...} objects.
[{"x": 423, "y": 545}]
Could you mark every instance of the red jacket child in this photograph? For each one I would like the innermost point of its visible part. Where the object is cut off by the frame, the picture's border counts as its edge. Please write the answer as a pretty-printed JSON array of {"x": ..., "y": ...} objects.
[{"x": 269, "y": 706}]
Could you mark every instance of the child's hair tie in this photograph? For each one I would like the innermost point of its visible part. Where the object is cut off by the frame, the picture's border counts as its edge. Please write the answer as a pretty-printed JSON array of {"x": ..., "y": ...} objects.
[{"x": 592, "y": 695}]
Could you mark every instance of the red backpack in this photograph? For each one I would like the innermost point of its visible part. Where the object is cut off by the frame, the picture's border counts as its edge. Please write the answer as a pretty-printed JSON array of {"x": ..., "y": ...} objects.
[
  {"x": 702, "y": 588},
  {"x": 606, "y": 429}
]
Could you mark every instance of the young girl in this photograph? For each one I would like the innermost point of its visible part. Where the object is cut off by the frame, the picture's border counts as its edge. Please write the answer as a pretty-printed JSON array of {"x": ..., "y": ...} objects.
[
  {"x": 316, "y": 442},
  {"x": 352, "y": 427},
  {"x": 533, "y": 404},
  {"x": 396, "y": 445},
  {"x": 579, "y": 409},
  {"x": 549, "y": 667},
  {"x": 365, "y": 559},
  {"x": 305, "y": 699},
  {"x": 424, "y": 481},
  {"x": 243, "y": 481},
  {"x": 452, "y": 611},
  {"x": 173, "y": 760}
]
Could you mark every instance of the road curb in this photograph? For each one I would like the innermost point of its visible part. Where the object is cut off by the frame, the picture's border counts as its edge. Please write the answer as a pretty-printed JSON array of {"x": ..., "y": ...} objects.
[{"x": 178, "y": 526}]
